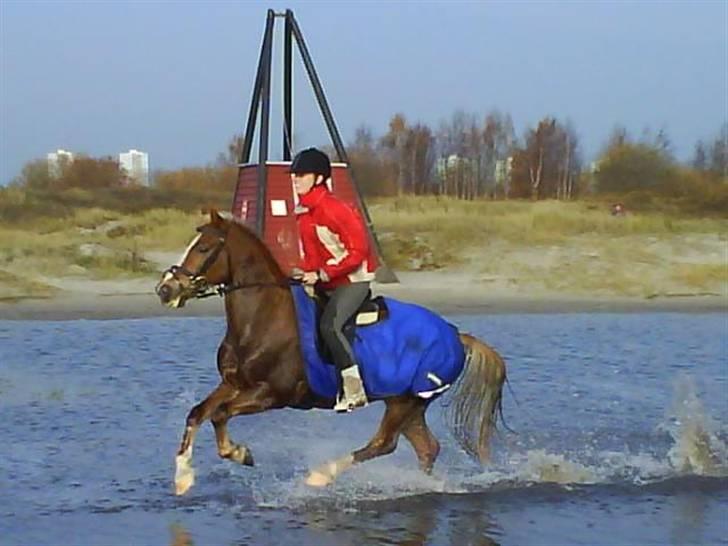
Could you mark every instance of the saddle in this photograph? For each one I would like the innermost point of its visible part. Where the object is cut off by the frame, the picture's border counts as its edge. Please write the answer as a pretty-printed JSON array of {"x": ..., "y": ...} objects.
[{"x": 371, "y": 311}]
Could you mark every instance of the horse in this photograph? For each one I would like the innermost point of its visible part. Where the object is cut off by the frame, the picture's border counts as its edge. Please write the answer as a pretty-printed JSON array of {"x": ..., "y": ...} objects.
[{"x": 261, "y": 365}]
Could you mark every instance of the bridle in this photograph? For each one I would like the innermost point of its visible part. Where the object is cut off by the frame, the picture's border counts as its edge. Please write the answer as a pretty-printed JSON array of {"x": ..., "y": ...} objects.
[
  {"x": 199, "y": 285},
  {"x": 198, "y": 282}
]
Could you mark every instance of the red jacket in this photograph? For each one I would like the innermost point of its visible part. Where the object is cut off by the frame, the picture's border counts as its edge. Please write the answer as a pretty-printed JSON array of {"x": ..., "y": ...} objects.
[{"x": 335, "y": 239}]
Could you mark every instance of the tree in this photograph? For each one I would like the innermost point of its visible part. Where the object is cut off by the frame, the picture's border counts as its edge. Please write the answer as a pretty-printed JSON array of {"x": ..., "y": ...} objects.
[
  {"x": 660, "y": 141},
  {"x": 408, "y": 152},
  {"x": 91, "y": 173},
  {"x": 499, "y": 140},
  {"x": 199, "y": 179},
  {"x": 369, "y": 166},
  {"x": 570, "y": 168},
  {"x": 459, "y": 143},
  {"x": 83, "y": 172},
  {"x": 34, "y": 175},
  {"x": 700, "y": 157},
  {"x": 395, "y": 143},
  {"x": 719, "y": 154},
  {"x": 618, "y": 136},
  {"x": 634, "y": 166},
  {"x": 473, "y": 153},
  {"x": 663, "y": 143},
  {"x": 548, "y": 165},
  {"x": 231, "y": 155},
  {"x": 421, "y": 151}
]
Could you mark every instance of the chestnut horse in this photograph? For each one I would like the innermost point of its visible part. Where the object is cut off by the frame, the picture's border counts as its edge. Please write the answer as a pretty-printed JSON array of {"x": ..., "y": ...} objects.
[{"x": 261, "y": 366}]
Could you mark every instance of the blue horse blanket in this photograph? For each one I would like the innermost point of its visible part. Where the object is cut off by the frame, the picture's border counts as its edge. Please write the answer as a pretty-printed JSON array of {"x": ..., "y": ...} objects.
[{"x": 412, "y": 351}]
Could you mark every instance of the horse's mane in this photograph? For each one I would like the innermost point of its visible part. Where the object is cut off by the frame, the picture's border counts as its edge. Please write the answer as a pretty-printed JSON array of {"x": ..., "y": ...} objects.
[{"x": 258, "y": 245}]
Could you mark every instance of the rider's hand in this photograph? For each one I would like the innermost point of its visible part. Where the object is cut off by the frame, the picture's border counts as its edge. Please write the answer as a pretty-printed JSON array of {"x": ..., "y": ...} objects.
[{"x": 310, "y": 277}]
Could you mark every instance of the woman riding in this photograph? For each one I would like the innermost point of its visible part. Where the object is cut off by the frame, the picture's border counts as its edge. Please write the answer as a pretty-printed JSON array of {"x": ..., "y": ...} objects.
[{"x": 338, "y": 258}]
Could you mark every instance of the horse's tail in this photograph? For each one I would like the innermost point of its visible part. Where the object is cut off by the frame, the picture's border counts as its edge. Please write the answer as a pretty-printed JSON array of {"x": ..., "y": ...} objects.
[{"x": 477, "y": 398}]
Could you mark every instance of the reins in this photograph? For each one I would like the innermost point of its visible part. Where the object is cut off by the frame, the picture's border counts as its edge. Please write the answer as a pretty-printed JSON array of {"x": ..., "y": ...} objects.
[{"x": 223, "y": 289}]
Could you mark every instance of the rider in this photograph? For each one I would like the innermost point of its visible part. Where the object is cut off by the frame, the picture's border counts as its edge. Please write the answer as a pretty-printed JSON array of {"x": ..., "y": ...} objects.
[{"x": 336, "y": 255}]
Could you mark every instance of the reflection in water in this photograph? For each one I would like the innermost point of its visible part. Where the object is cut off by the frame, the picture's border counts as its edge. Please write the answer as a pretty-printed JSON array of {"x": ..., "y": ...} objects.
[
  {"x": 414, "y": 521},
  {"x": 471, "y": 526},
  {"x": 180, "y": 536},
  {"x": 689, "y": 520}
]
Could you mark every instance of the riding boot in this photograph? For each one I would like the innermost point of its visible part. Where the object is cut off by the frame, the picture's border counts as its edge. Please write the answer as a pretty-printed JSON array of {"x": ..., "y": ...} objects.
[{"x": 354, "y": 395}]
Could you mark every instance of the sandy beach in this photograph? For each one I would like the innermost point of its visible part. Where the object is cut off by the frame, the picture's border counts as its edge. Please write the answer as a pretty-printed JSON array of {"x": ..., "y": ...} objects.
[
  {"x": 449, "y": 293},
  {"x": 587, "y": 262}
]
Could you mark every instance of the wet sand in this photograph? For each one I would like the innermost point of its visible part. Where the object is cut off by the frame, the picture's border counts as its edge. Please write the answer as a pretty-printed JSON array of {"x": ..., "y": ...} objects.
[{"x": 449, "y": 294}]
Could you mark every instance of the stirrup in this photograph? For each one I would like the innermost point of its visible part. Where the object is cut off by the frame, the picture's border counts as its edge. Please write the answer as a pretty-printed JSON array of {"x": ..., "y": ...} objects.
[
  {"x": 354, "y": 395},
  {"x": 343, "y": 405}
]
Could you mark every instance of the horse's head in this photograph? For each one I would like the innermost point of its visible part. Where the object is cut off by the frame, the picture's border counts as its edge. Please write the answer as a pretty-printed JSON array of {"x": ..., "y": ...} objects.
[{"x": 203, "y": 265}]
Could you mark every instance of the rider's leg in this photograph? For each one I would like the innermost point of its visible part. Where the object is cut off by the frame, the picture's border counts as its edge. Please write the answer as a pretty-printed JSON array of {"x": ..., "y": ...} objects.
[{"x": 342, "y": 305}]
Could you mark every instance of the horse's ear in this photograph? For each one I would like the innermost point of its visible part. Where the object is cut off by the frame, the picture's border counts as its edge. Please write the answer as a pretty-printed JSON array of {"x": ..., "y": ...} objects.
[{"x": 217, "y": 220}]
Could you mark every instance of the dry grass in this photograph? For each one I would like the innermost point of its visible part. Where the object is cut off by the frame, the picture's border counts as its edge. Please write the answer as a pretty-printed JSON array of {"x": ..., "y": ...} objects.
[
  {"x": 699, "y": 276},
  {"x": 565, "y": 247},
  {"x": 96, "y": 243},
  {"x": 542, "y": 222},
  {"x": 15, "y": 287}
]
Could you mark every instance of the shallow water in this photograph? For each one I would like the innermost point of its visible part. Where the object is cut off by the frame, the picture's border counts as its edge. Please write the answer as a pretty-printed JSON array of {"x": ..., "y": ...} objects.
[{"x": 620, "y": 420}]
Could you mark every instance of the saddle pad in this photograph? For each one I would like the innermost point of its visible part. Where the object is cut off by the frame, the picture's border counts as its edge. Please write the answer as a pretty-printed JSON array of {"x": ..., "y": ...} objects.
[{"x": 413, "y": 351}]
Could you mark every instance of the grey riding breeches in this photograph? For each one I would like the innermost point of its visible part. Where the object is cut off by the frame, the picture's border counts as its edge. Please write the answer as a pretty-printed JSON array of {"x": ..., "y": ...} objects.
[{"x": 343, "y": 303}]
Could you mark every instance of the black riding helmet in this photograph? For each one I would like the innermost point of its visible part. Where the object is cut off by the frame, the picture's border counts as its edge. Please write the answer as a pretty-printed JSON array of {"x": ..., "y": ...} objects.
[{"x": 311, "y": 161}]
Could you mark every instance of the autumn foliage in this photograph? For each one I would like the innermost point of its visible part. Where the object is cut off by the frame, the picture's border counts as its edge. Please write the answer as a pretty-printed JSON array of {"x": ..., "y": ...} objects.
[{"x": 466, "y": 157}]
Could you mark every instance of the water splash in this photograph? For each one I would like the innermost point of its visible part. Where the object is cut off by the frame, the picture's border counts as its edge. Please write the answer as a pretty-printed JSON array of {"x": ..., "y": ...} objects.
[
  {"x": 544, "y": 467},
  {"x": 687, "y": 444},
  {"x": 698, "y": 449},
  {"x": 374, "y": 483}
]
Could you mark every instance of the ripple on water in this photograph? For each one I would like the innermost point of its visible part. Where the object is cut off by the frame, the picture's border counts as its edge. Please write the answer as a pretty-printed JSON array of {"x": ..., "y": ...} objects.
[{"x": 92, "y": 439}]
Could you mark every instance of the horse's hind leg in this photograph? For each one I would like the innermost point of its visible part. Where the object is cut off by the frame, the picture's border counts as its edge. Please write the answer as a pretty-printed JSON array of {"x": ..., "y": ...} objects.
[
  {"x": 246, "y": 402},
  {"x": 384, "y": 442},
  {"x": 423, "y": 441},
  {"x": 184, "y": 476}
]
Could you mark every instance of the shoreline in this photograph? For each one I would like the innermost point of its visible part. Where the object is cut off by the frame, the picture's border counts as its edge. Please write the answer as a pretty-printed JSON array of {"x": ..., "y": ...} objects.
[{"x": 452, "y": 302}]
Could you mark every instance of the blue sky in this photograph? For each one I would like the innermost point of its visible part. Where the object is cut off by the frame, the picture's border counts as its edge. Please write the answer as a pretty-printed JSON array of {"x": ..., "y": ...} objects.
[{"x": 175, "y": 78}]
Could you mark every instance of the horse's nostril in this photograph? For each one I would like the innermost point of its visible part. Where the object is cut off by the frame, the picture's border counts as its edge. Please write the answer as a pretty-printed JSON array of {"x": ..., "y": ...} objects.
[{"x": 164, "y": 292}]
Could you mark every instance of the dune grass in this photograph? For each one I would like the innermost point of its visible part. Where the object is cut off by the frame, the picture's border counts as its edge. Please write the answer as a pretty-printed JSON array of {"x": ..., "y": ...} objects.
[
  {"x": 436, "y": 232},
  {"x": 98, "y": 243},
  {"x": 541, "y": 222},
  {"x": 14, "y": 287},
  {"x": 698, "y": 276},
  {"x": 577, "y": 247}
]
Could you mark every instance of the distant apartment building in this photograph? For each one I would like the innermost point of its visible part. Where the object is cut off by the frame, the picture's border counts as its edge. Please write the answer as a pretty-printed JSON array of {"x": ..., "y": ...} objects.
[
  {"x": 451, "y": 163},
  {"x": 135, "y": 165},
  {"x": 503, "y": 169},
  {"x": 57, "y": 161}
]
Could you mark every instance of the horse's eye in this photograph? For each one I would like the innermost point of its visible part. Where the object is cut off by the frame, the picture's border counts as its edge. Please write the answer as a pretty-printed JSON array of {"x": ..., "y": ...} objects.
[{"x": 203, "y": 249}]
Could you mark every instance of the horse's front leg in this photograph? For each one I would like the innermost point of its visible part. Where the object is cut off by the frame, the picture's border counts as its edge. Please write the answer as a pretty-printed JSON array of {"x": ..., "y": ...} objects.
[
  {"x": 255, "y": 400},
  {"x": 184, "y": 476}
]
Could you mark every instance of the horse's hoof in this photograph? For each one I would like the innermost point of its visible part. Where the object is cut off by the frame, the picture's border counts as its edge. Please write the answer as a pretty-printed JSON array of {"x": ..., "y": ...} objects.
[
  {"x": 183, "y": 482},
  {"x": 241, "y": 455},
  {"x": 318, "y": 479},
  {"x": 184, "y": 475},
  {"x": 248, "y": 459}
]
